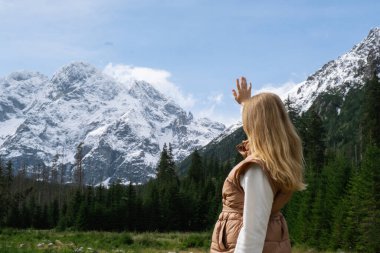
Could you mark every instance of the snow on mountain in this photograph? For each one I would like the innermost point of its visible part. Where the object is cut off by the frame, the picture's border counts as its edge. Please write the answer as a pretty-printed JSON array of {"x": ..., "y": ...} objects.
[
  {"x": 123, "y": 126},
  {"x": 349, "y": 70},
  {"x": 21, "y": 93},
  {"x": 229, "y": 130}
]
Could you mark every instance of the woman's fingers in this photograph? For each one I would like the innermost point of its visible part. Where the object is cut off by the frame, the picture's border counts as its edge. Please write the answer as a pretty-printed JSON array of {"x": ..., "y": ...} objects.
[
  {"x": 234, "y": 93},
  {"x": 237, "y": 84},
  {"x": 243, "y": 83}
]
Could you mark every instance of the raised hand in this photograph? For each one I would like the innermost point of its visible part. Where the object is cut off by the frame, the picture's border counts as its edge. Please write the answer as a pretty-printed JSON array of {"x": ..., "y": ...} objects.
[{"x": 243, "y": 92}]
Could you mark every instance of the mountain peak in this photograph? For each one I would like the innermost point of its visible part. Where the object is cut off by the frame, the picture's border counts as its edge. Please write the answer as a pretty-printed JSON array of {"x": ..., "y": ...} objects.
[
  {"x": 142, "y": 89},
  {"x": 349, "y": 70},
  {"x": 69, "y": 75},
  {"x": 23, "y": 82},
  {"x": 24, "y": 75},
  {"x": 369, "y": 44},
  {"x": 374, "y": 32}
]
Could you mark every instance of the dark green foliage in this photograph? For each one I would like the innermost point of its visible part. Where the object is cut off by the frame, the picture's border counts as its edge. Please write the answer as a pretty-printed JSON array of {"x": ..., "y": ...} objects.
[
  {"x": 314, "y": 140},
  {"x": 126, "y": 239},
  {"x": 371, "y": 112},
  {"x": 339, "y": 209},
  {"x": 2, "y": 194},
  {"x": 195, "y": 172},
  {"x": 164, "y": 204},
  {"x": 196, "y": 241},
  {"x": 53, "y": 213},
  {"x": 360, "y": 216},
  {"x": 293, "y": 112}
]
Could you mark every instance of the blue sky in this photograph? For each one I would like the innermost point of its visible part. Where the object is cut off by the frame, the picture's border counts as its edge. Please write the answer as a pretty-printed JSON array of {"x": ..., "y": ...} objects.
[{"x": 193, "y": 50}]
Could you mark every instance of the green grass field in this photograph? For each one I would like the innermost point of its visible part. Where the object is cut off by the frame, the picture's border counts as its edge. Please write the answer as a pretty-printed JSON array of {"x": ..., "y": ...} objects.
[{"x": 44, "y": 241}]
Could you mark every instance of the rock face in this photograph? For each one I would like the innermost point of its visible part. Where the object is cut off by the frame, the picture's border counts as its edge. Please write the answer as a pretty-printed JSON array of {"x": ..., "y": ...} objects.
[
  {"x": 340, "y": 75},
  {"x": 123, "y": 127}
]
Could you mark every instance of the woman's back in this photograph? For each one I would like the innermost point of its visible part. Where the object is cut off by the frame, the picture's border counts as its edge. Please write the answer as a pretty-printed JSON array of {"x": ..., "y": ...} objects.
[{"x": 230, "y": 221}]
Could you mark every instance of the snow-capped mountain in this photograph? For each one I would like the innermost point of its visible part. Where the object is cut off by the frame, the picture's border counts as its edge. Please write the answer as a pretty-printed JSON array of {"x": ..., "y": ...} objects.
[
  {"x": 340, "y": 75},
  {"x": 228, "y": 131},
  {"x": 123, "y": 127}
]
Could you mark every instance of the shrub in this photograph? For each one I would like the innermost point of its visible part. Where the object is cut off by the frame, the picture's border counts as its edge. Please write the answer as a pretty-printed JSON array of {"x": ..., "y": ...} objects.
[
  {"x": 196, "y": 241},
  {"x": 148, "y": 241},
  {"x": 126, "y": 238}
]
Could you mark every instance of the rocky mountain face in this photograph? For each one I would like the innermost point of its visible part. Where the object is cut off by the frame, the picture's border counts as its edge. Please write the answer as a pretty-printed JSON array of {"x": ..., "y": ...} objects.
[
  {"x": 326, "y": 91},
  {"x": 123, "y": 127},
  {"x": 341, "y": 75}
]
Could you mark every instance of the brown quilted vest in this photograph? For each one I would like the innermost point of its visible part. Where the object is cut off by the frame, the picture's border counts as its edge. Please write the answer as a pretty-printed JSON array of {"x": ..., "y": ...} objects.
[{"x": 230, "y": 220}]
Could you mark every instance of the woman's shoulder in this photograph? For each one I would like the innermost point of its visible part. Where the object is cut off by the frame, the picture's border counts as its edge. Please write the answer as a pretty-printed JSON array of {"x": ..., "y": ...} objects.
[
  {"x": 252, "y": 166},
  {"x": 248, "y": 163}
]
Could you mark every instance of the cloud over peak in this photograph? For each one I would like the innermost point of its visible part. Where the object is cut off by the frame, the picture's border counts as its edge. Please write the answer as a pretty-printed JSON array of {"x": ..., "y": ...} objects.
[{"x": 159, "y": 78}]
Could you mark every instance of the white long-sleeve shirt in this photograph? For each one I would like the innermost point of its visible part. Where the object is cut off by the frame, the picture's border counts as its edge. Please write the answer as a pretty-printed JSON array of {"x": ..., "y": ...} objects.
[{"x": 258, "y": 199}]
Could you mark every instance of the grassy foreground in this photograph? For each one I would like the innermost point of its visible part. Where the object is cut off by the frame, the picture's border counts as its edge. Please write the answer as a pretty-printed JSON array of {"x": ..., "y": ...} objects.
[{"x": 44, "y": 241}]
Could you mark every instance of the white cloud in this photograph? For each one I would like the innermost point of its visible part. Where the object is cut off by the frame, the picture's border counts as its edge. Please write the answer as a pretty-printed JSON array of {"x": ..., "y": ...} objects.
[
  {"x": 281, "y": 90},
  {"x": 214, "y": 109},
  {"x": 157, "y": 77},
  {"x": 212, "y": 114},
  {"x": 207, "y": 112}
]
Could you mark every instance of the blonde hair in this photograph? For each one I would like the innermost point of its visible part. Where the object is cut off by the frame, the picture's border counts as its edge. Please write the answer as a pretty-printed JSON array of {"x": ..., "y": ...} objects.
[{"x": 274, "y": 140}]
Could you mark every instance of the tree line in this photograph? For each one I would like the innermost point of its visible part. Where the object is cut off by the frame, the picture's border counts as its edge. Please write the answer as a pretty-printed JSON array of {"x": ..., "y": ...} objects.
[
  {"x": 165, "y": 203},
  {"x": 338, "y": 210}
]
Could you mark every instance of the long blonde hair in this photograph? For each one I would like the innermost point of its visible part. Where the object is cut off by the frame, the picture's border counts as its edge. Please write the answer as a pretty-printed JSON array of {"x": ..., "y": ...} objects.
[{"x": 274, "y": 140}]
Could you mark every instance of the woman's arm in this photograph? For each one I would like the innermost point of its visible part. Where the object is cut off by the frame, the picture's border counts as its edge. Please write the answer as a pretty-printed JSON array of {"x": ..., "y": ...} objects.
[{"x": 258, "y": 199}]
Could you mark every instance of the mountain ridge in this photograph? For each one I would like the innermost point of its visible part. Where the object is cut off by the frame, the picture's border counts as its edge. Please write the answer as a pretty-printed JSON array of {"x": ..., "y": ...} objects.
[
  {"x": 350, "y": 69},
  {"x": 123, "y": 127}
]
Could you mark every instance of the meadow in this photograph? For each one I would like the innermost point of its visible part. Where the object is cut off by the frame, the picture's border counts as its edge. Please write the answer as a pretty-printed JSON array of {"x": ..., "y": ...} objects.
[{"x": 44, "y": 241}]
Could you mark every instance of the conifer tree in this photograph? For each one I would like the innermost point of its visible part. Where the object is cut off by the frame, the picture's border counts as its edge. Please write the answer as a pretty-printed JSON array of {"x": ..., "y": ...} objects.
[
  {"x": 339, "y": 227},
  {"x": 2, "y": 193},
  {"x": 371, "y": 112},
  {"x": 81, "y": 218},
  {"x": 73, "y": 208},
  {"x": 78, "y": 174},
  {"x": 6, "y": 184},
  {"x": 195, "y": 170},
  {"x": 25, "y": 216},
  {"x": 360, "y": 216},
  {"x": 369, "y": 226},
  {"x": 53, "y": 213},
  {"x": 131, "y": 204},
  {"x": 54, "y": 169},
  {"x": 151, "y": 204},
  {"x": 62, "y": 222},
  {"x": 293, "y": 112},
  {"x": 168, "y": 189},
  {"x": 13, "y": 215},
  {"x": 314, "y": 141},
  {"x": 44, "y": 222}
]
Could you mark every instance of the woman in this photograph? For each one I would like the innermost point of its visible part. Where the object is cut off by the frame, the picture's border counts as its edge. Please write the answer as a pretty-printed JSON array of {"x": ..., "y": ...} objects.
[{"x": 258, "y": 187}]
